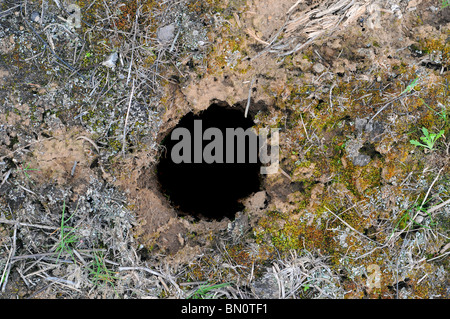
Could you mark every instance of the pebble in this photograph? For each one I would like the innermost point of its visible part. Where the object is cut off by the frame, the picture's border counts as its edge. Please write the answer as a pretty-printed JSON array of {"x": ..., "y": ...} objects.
[
  {"x": 111, "y": 60},
  {"x": 419, "y": 219},
  {"x": 35, "y": 17},
  {"x": 166, "y": 34},
  {"x": 318, "y": 68}
]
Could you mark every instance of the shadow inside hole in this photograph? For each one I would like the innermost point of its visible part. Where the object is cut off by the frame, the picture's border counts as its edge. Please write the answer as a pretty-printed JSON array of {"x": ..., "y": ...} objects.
[{"x": 209, "y": 191}]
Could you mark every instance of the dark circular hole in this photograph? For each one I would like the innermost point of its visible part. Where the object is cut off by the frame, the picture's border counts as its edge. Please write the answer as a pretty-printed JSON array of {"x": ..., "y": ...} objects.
[{"x": 210, "y": 190}]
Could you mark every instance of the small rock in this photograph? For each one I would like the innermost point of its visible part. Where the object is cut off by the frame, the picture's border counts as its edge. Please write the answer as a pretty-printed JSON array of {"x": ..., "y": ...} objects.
[
  {"x": 35, "y": 17},
  {"x": 318, "y": 68},
  {"x": 361, "y": 160},
  {"x": 111, "y": 60},
  {"x": 166, "y": 34}
]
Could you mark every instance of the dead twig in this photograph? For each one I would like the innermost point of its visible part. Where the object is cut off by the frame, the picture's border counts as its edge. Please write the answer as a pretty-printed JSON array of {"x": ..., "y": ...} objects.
[
  {"x": 437, "y": 207},
  {"x": 6, "y": 271},
  {"x": 126, "y": 119},
  {"x": 252, "y": 33},
  {"x": 90, "y": 141},
  {"x": 249, "y": 98},
  {"x": 14, "y": 222}
]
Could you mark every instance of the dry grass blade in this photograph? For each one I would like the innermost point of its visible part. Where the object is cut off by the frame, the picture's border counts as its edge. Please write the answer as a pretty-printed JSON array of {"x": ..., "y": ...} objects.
[
  {"x": 126, "y": 119},
  {"x": 305, "y": 24},
  {"x": 297, "y": 275},
  {"x": 7, "y": 269}
]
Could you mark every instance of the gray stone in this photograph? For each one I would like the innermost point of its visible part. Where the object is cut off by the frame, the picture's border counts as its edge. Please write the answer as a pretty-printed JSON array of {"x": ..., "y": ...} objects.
[
  {"x": 360, "y": 124},
  {"x": 166, "y": 34},
  {"x": 361, "y": 160},
  {"x": 266, "y": 287},
  {"x": 35, "y": 17}
]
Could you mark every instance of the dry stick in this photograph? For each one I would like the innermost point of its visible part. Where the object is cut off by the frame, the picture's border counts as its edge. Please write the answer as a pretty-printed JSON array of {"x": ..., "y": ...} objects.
[
  {"x": 90, "y": 141},
  {"x": 252, "y": 33},
  {"x": 27, "y": 190},
  {"x": 278, "y": 281},
  {"x": 274, "y": 38},
  {"x": 285, "y": 174},
  {"x": 193, "y": 283},
  {"x": 33, "y": 256},
  {"x": 174, "y": 41},
  {"x": 62, "y": 282},
  {"x": 386, "y": 105},
  {"x": 306, "y": 132},
  {"x": 164, "y": 284},
  {"x": 126, "y": 119},
  {"x": 5, "y": 275},
  {"x": 153, "y": 272},
  {"x": 249, "y": 97},
  {"x": 6, "y": 176},
  {"x": 57, "y": 3},
  {"x": 6, "y": 12},
  {"x": 440, "y": 256},
  {"x": 368, "y": 253},
  {"x": 42, "y": 13},
  {"x": 435, "y": 208},
  {"x": 133, "y": 46},
  {"x": 14, "y": 222},
  {"x": 294, "y": 6}
]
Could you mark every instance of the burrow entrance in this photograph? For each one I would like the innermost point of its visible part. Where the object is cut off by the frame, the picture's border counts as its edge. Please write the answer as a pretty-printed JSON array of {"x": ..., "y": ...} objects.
[{"x": 209, "y": 188}]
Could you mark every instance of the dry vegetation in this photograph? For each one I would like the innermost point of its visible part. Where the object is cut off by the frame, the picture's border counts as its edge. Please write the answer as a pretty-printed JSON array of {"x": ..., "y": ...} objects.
[{"x": 357, "y": 211}]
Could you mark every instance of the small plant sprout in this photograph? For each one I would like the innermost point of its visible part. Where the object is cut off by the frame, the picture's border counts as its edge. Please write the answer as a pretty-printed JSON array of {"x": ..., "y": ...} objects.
[
  {"x": 429, "y": 139},
  {"x": 67, "y": 235},
  {"x": 407, "y": 219},
  {"x": 26, "y": 170},
  {"x": 203, "y": 291},
  {"x": 445, "y": 3},
  {"x": 100, "y": 273},
  {"x": 410, "y": 86},
  {"x": 442, "y": 114}
]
